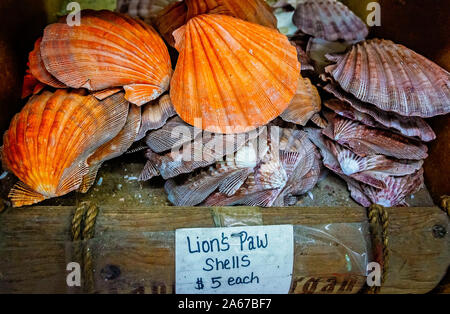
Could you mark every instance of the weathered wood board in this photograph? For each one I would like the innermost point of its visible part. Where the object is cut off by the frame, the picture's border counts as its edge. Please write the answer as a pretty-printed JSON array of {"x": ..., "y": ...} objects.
[{"x": 35, "y": 247}]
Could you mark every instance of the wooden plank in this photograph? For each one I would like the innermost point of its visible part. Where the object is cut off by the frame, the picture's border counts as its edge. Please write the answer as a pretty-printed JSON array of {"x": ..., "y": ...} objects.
[{"x": 35, "y": 247}]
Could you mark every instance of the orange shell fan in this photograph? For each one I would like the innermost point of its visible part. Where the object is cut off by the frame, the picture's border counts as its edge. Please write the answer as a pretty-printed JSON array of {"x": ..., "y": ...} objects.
[
  {"x": 108, "y": 50},
  {"x": 38, "y": 70},
  {"x": 49, "y": 141},
  {"x": 178, "y": 14},
  {"x": 232, "y": 76}
]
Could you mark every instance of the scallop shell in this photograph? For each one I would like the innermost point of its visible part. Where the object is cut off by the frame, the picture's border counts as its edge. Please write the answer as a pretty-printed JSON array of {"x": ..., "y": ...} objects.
[
  {"x": 365, "y": 141},
  {"x": 317, "y": 49},
  {"x": 155, "y": 115},
  {"x": 397, "y": 190},
  {"x": 48, "y": 143},
  {"x": 355, "y": 109},
  {"x": 174, "y": 134},
  {"x": 375, "y": 170},
  {"x": 281, "y": 174},
  {"x": 393, "y": 78},
  {"x": 187, "y": 155},
  {"x": 31, "y": 85},
  {"x": 304, "y": 105},
  {"x": 108, "y": 50},
  {"x": 318, "y": 120},
  {"x": 38, "y": 70},
  {"x": 144, "y": 9},
  {"x": 177, "y": 15},
  {"x": 232, "y": 75},
  {"x": 226, "y": 175},
  {"x": 170, "y": 19},
  {"x": 330, "y": 20},
  {"x": 114, "y": 148}
]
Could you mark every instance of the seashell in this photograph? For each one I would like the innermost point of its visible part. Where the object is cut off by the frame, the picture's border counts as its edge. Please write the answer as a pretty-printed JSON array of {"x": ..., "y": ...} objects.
[
  {"x": 304, "y": 105},
  {"x": 174, "y": 134},
  {"x": 318, "y": 120},
  {"x": 31, "y": 85},
  {"x": 100, "y": 95},
  {"x": 38, "y": 70},
  {"x": 317, "y": 49},
  {"x": 250, "y": 84},
  {"x": 373, "y": 170},
  {"x": 354, "y": 109},
  {"x": 227, "y": 175},
  {"x": 398, "y": 188},
  {"x": 170, "y": 19},
  {"x": 281, "y": 174},
  {"x": 365, "y": 141},
  {"x": 203, "y": 150},
  {"x": 108, "y": 50},
  {"x": 177, "y": 15},
  {"x": 48, "y": 143},
  {"x": 155, "y": 115},
  {"x": 114, "y": 148},
  {"x": 393, "y": 78},
  {"x": 143, "y": 9},
  {"x": 305, "y": 62},
  {"x": 330, "y": 20}
]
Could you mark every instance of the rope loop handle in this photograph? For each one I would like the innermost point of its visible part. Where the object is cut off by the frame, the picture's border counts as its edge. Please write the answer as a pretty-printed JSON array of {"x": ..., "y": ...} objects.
[
  {"x": 83, "y": 229},
  {"x": 379, "y": 220}
]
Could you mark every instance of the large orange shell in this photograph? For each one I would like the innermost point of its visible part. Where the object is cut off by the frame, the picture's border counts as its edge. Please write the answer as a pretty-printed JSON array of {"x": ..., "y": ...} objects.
[
  {"x": 232, "y": 76},
  {"x": 178, "y": 14},
  {"x": 304, "y": 105},
  {"x": 330, "y": 20},
  {"x": 108, "y": 50},
  {"x": 49, "y": 141},
  {"x": 393, "y": 78}
]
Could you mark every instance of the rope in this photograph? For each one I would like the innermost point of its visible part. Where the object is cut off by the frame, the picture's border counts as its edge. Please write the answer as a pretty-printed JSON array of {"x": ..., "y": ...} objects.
[
  {"x": 83, "y": 229},
  {"x": 379, "y": 218},
  {"x": 445, "y": 204}
]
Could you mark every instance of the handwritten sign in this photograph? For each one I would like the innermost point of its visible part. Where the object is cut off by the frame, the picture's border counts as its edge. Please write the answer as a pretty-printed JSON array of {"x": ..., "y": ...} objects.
[{"x": 237, "y": 260}]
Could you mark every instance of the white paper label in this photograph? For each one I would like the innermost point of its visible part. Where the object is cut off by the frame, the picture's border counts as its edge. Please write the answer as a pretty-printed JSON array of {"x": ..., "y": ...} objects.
[{"x": 237, "y": 260}]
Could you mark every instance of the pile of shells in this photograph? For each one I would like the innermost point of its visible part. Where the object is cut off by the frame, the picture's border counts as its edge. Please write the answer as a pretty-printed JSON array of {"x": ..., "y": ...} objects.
[
  {"x": 380, "y": 93},
  {"x": 99, "y": 87},
  {"x": 229, "y": 122}
]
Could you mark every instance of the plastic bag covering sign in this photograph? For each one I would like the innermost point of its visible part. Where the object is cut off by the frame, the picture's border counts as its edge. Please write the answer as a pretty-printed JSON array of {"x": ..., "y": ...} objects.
[{"x": 237, "y": 260}]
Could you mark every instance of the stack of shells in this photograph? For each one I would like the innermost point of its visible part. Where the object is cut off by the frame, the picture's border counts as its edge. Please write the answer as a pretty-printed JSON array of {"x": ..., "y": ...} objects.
[
  {"x": 99, "y": 87},
  {"x": 244, "y": 60},
  {"x": 378, "y": 93}
]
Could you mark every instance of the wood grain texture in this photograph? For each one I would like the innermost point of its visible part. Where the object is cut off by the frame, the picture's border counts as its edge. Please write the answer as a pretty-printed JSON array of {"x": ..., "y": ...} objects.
[{"x": 35, "y": 247}]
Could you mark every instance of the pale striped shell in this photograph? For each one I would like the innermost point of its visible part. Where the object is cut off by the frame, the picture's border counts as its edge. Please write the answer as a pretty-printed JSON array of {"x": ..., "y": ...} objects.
[{"x": 330, "y": 20}]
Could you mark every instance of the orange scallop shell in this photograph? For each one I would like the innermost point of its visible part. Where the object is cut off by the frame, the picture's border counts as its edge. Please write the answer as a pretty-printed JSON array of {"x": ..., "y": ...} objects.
[
  {"x": 232, "y": 76},
  {"x": 37, "y": 67},
  {"x": 304, "y": 105},
  {"x": 108, "y": 50},
  {"x": 49, "y": 141},
  {"x": 178, "y": 14}
]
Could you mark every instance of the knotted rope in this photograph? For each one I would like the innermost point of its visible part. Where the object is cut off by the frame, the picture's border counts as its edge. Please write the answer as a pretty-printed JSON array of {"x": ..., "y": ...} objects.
[
  {"x": 379, "y": 219},
  {"x": 83, "y": 229}
]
